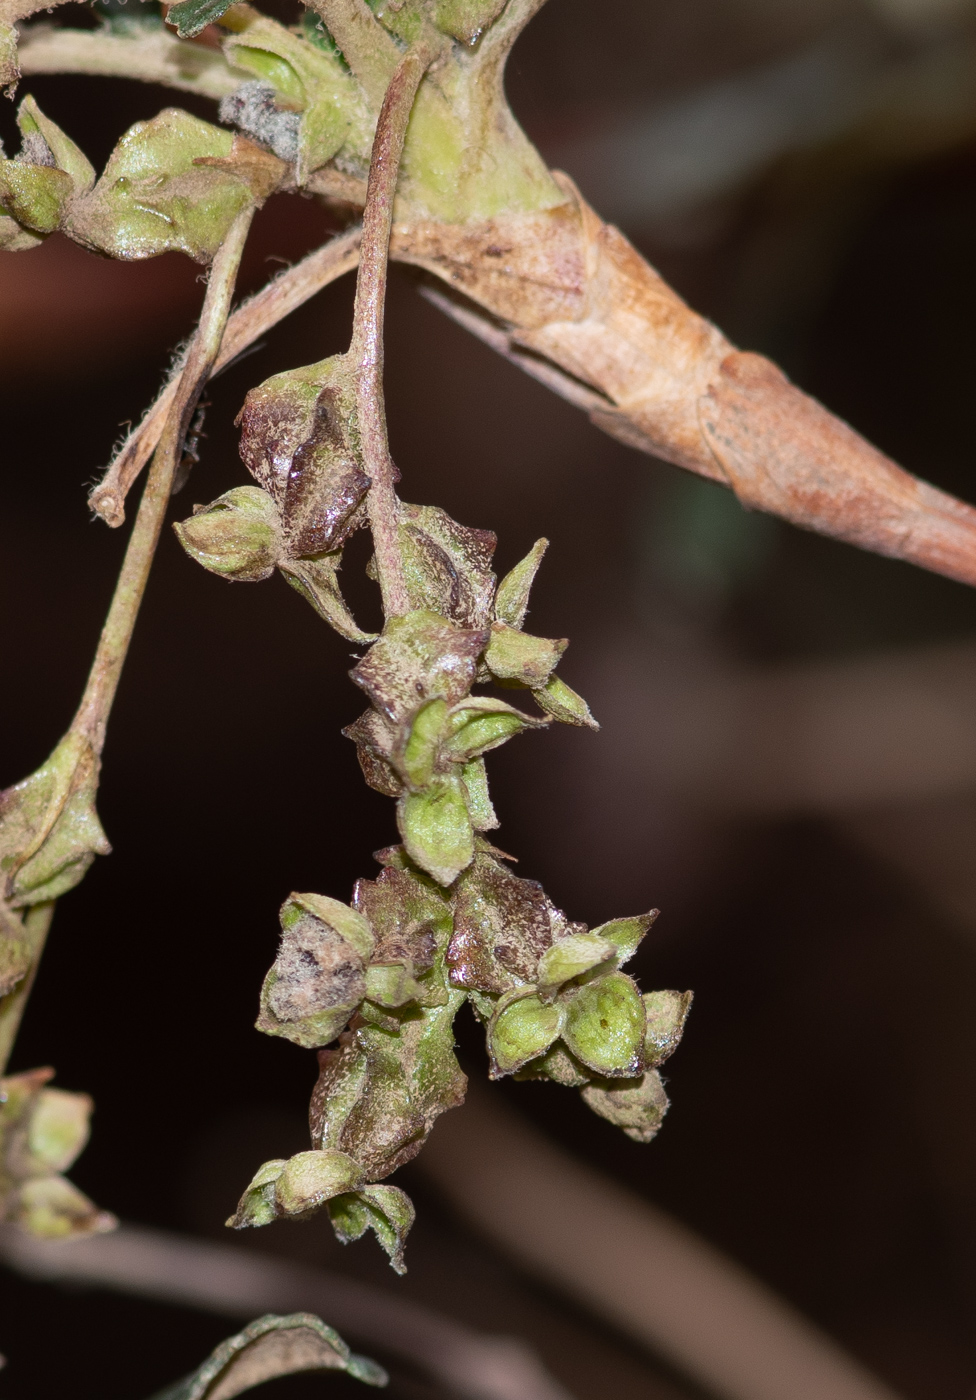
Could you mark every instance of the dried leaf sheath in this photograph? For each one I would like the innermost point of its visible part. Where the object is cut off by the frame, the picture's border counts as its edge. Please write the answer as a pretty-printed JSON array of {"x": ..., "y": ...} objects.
[{"x": 570, "y": 288}]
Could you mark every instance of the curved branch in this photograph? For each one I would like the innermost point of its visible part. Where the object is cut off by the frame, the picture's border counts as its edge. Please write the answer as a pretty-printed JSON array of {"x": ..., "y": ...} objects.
[{"x": 155, "y": 56}]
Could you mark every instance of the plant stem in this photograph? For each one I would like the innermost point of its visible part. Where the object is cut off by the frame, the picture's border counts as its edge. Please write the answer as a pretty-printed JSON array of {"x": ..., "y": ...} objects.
[
  {"x": 37, "y": 921},
  {"x": 103, "y": 679},
  {"x": 366, "y": 347},
  {"x": 92, "y": 716}
]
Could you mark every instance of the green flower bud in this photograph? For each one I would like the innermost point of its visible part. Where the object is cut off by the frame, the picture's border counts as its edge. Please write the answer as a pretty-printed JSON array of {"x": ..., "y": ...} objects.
[
  {"x": 58, "y": 1129},
  {"x": 515, "y": 656},
  {"x": 626, "y": 934},
  {"x": 51, "y": 1208},
  {"x": 35, "y": 195},
  {"x": 605, "y": 1024},
  {"x": 522, "y": 1027},
  {"x": 569, "y": 958},
  {"x": 237, "y": 536},
  {"x": 563, "y": 704},
  {"x": 436, "y": 828},
  {"x": 512, "y": 598}
]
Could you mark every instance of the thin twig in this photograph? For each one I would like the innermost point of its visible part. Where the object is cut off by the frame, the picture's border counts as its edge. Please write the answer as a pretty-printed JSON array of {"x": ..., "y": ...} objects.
[
  {"x": 37, "y": 922},
  {"x": 367, "y": 335},
  {"x": 284, "y": 294},
  {"x": 204, "y": 348},
  {"x": 91, "y": 718}
]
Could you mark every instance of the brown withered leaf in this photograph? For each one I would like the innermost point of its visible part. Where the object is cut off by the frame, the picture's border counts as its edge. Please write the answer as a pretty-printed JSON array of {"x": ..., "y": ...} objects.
[
  {"x": 528, "y": 269},
  {"x": 378, "y": 1095},
  {"x": 502, "y": 926},
  {"x": 447, "y": 565},
  {"x": 419, "y": 657},
  {"x": 374, "y": 740}
]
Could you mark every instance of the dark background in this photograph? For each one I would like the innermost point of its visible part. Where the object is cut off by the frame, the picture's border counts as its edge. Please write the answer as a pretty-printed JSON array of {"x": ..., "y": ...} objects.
[{"x": 821, "y": 1128}]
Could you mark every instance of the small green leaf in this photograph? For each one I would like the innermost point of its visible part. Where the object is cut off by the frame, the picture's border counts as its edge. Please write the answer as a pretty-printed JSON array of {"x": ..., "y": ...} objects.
[
  {"x": 636, "y": 1105},
  {"x": 386, "y": 1210},
  {"x": 569, "y": 958},
  {"x": 392, "y": 984},
  {"x": 35, "y": 195},
  {"x": 563, "y": 704},
  {"x": 605, "y": 1024},
  {"x": 191, "y": 17},
  {"x": 238, "y": 536},
  {"x": 270, "y": 1347},
  {"x": 474, "y": 776},
  {"x": 522, "y": 1027},
  {"x": 447, "y": 565},
  {"x": 667, "y": 1013},
  {"x": 515, "y": 656},
  {"x": 512, "y": 598},
  {"x": 626, "y": 934},
  {"x": 423, "y": 740},
  {"x": 436, "y": 828}
]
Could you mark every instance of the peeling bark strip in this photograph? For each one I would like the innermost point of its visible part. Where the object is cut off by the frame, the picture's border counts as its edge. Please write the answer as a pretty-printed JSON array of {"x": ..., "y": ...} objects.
[{"x": 569, "y": 288}]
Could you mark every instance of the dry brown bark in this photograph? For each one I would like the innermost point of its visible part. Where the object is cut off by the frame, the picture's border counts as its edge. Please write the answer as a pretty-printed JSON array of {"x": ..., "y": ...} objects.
[{"x": 572, "y": 301}]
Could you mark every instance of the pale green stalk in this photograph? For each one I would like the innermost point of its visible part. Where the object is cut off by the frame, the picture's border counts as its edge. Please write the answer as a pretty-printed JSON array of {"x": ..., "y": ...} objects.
[{"x": 37, "y": 921}]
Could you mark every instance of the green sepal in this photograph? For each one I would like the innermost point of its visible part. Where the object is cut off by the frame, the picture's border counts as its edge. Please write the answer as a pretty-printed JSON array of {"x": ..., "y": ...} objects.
[
  {"x": 69, "y": 157},
  {"x": 273, "y": 1346},
  {"x": 667, "y": 1013},
  {"x": 512, "y": 598},
  {"x": 14, "y": 238},
  {"x": 394, "y": 984},
  {"x": 191, "y": 17},
  {"x": 316, "y": 579},
  {"x": 636, "y": 1105},
  {"x": 386, "y": 1210},
  {"x": 474, "y": 776},
  {"x": 257, "y": 1206},
  {"x": 563, "y": 704},
  {"x": 36, "y": 196},
  {"x": 512, "y": 655},
  {"x": 422, "y": 742},
  {"x": 237, "y": 536},
  {"x": 447, "y": 566},
  {"x": 626, "y": 934},
  {"x": 480, "y": 723},
  {"x": 570, "y": 957},
  {"x": 522, "y": 1028},
  {"x": 436, "y": 828},
  {"x": 15, "y": 953},
  {"x": 605, "y": 1025},
  {"x": 559, "y": 1065},
  {"x": 466, "y": 20},
  {"x": 49, "y": 829}
]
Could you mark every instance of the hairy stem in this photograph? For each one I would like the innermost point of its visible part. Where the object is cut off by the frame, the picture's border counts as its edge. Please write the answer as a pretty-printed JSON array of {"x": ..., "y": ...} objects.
[
  {"x": 367, "y": 335},
  {"x": 37, "y": 921},
  {"x": 251, "y": 320},
  {"x": 103, "y": 679}
]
